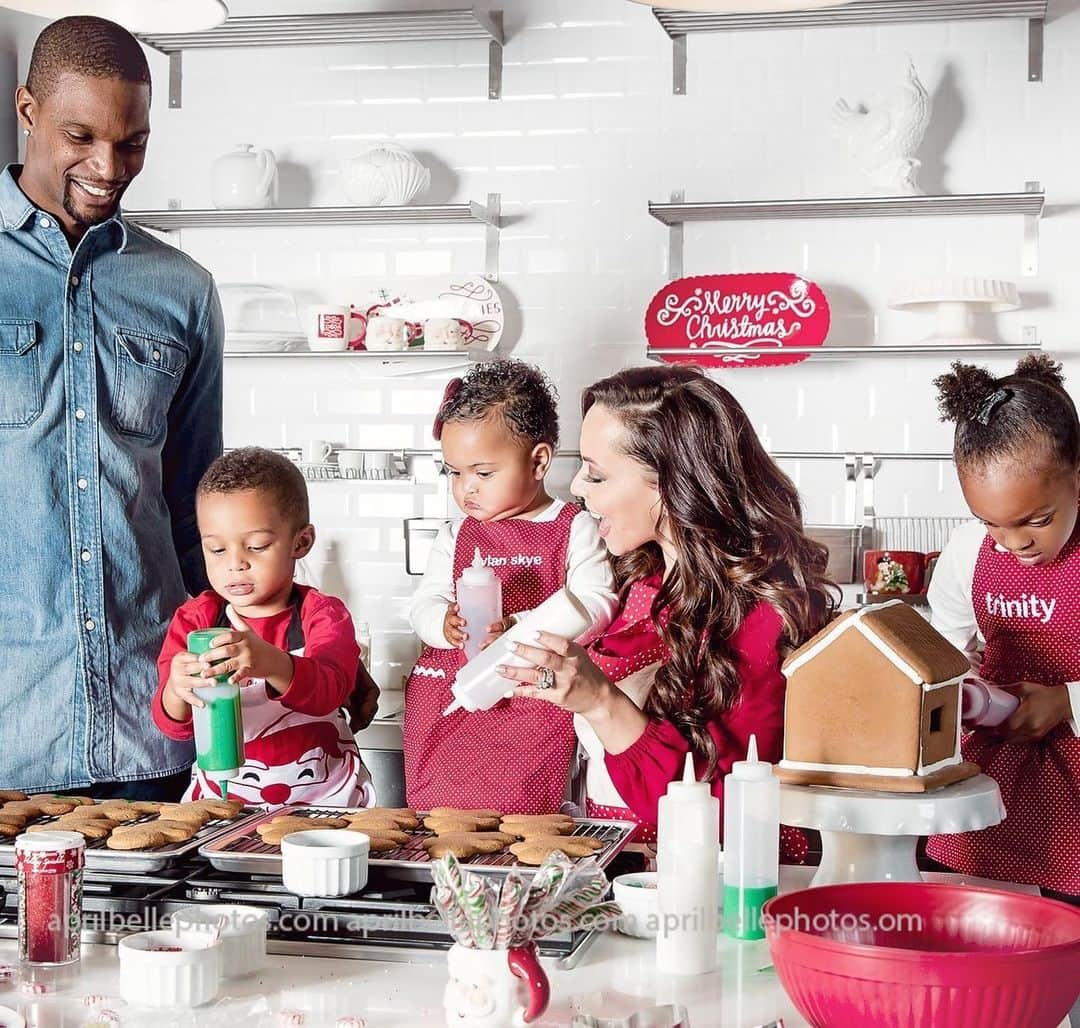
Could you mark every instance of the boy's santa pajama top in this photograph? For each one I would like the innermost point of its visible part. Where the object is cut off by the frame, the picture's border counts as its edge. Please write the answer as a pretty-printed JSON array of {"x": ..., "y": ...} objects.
[{"x": 298, "y": 746}]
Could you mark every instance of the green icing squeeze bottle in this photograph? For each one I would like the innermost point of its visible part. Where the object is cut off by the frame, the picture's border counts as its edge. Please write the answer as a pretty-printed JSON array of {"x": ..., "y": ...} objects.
[{"x": 219, "y": 726}]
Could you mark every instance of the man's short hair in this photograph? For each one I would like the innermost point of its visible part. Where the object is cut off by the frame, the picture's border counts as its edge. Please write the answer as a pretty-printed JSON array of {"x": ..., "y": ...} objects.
[
  {"x": 252, "y": 467},
  {"x": 88, "y": 46}
]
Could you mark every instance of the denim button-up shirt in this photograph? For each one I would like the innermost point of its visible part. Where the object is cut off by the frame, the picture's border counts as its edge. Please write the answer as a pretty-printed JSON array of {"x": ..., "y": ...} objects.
[{"x": 110, "y": 411}]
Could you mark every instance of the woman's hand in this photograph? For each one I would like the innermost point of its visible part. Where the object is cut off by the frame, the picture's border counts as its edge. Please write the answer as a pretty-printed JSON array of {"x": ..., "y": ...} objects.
[
  {"x": 495, "y": 629},
  {"x": 579, "y": 686},
  {"x": 1042, "y": 708}
]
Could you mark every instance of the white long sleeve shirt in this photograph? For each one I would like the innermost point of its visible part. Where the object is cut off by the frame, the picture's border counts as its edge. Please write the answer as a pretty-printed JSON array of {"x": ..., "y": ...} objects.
[
  {"x": 588, "y": 576},
  {"x": 952, "y": 610}
]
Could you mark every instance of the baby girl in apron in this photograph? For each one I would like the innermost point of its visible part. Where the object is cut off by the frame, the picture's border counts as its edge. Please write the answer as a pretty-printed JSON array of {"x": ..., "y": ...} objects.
[{"x": 499, "y": 429}]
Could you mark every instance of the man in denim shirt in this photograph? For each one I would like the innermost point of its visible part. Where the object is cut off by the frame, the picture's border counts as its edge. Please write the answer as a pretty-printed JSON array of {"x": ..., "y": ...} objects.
[{"x": 110, "y": 411}]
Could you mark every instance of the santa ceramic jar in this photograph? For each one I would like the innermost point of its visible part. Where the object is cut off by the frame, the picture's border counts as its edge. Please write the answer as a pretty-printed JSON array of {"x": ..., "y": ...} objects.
[{"x": 495, "y": 988}]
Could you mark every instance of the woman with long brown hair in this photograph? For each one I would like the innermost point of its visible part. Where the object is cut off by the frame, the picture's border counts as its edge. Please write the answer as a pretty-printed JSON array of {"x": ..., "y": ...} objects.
[{"x": 718, "y": 582}]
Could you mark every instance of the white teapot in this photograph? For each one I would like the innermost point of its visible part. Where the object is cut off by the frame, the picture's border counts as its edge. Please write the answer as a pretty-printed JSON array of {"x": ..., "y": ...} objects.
[{"x": 244, "y": 178}]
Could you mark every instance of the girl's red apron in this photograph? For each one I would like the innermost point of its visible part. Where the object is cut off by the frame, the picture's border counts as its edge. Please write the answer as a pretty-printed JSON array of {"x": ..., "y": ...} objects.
[
  {"x": 629, "y": 646},
  {"x": 1039, "y": 840},
  {"x": 515, "y": 757}
]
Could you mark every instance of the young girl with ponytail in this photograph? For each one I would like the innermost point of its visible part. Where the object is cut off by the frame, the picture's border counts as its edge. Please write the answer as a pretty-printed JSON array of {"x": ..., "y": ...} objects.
[{"x": 1008, "y": 584}]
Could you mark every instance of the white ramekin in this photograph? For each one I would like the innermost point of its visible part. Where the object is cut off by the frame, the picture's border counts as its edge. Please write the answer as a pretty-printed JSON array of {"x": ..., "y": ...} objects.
[
  {"x": 11, "y": 1019},
  {"x": 636, "y": 894},
  {"x": 158, "y": 969},
  {"x": 243, "y": 934},
  {"x": 325, "y": 863}
]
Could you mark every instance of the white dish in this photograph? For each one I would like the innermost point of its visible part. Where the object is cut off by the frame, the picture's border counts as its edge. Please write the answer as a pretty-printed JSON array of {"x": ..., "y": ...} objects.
[
  {"x": 255, "y": 307},
  {"x": 264, "y": 342},
  {"x": 243, "y": 934},
  {"x": 472, "y": 301},
  {"x": 159, "y": 969},
  {"x": 637, "y": 895},
  {"x": 10, "y": 1019},
  {"x": 325, "y": 863}
]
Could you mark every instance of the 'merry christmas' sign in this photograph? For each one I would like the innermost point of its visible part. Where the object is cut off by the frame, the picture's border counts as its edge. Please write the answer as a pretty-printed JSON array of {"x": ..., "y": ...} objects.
[{"x": 724, "y": 316}]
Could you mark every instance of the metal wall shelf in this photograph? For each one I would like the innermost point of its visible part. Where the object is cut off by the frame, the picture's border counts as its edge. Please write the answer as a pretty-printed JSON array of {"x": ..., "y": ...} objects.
[
  {"x": 848, "y": 352},
  {"x": 388, "y": 356},
  {"x": 397, "y": 363},
  {"x": 336, "y": 30},
  {"x": 679, "y": 24},
  {"x": 488, "y": 215},
  {"x": 1029, "y": 204}
]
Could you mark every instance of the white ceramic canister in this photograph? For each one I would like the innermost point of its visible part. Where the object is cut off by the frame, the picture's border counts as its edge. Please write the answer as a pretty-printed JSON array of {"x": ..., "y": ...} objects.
[{"x": 244, "y": 179}]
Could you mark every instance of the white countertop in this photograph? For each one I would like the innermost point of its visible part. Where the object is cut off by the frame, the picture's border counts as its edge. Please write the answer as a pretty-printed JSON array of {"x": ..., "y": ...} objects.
[{"x": 616, "y": 977}]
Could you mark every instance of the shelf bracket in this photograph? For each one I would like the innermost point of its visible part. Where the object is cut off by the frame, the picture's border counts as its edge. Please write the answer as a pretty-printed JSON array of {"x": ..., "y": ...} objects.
[
  {"x": 675, "y": 241},
  {"x": 869, "y": 467},
  {"x": 176, "y": 79},
  {"x": 493, "y": 22},
  {"x": 851, "y": 475},
  {"x": 1035, "y": 49},
  {"x": 678, "y": 65},
  {"x": 491, "y": 237},
  {"x": 1030, "y": 262}
]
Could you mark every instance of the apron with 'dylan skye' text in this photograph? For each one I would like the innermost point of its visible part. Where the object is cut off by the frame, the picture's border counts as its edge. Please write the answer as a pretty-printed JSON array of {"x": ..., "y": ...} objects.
[{"x": 515, "y": 757}]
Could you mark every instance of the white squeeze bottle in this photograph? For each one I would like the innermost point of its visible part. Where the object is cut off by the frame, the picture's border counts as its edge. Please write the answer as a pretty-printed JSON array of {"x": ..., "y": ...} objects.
[
  {"x": 687, "y": 853},
  {"x": 478, "y": 686},
  {"x": 479, "y": 598},
  {"x": 751, "y": 843}
]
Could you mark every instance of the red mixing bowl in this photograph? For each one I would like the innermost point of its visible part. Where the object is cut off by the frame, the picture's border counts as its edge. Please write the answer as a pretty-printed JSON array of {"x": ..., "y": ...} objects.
[{"x": 920, "y": 955}]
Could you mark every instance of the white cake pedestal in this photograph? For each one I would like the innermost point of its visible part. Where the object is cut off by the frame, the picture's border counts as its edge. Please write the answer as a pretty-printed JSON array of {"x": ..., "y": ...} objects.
[{"x": 871, "y": 836}]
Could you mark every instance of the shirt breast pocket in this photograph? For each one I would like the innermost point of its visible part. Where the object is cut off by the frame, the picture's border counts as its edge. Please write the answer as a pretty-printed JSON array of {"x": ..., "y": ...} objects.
[
  {"x": 21, "y": 391},
  {"x": 148, "y": 372}
]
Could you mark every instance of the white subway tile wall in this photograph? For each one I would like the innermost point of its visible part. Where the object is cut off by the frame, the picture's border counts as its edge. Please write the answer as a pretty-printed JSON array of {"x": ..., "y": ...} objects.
[{"x": 587, "y": 132}]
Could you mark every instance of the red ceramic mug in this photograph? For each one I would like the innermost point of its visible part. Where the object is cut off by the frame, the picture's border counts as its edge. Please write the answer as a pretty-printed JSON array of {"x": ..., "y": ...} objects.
[{"x": 895, "y": 571}]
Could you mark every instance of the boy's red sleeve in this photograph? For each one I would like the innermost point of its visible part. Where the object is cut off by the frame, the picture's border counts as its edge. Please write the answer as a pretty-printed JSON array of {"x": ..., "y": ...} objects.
[
  {"x": 324, "y": 678},
  {"x": 185, "y": 620}
]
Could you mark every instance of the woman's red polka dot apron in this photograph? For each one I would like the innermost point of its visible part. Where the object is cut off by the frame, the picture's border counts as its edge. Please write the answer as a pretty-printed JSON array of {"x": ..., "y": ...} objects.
[
  {"x": 515, "y": 757},
  {"x": 631, "y": 644},
  {"x": 1030, "y": 619}
]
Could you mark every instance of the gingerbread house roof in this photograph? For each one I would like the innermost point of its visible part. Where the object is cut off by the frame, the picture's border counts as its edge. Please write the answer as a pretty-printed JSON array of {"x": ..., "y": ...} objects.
[{"x": 902, "y": 635}]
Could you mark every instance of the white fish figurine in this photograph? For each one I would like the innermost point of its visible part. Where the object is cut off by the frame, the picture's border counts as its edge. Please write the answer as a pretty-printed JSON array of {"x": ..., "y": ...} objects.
[{"x": 884, "y": 138}]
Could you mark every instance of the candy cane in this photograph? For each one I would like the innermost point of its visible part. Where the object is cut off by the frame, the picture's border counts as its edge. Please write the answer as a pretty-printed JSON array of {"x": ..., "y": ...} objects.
[{"x": 510, "y": 903}]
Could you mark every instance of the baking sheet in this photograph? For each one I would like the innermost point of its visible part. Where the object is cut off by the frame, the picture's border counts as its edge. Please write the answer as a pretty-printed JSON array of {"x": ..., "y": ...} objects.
[
  {"x": 100, "y": 857},
  {"x": 241, "y": 850}
]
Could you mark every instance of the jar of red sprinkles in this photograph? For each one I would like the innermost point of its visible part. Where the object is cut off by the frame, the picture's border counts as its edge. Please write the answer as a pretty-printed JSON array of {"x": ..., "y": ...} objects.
[{"x": 50, "y": 870}]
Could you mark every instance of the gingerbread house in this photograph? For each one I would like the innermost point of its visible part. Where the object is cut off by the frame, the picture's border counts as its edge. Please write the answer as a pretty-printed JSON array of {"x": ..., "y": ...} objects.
[{"x": 873, "y": 702}]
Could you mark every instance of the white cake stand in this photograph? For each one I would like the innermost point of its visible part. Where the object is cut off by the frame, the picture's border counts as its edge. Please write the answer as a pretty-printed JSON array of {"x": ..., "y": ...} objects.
[{"x": 871, "y": 836}]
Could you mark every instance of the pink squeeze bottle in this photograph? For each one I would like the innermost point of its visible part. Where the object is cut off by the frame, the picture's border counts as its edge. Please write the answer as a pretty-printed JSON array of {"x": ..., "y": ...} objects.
[
  {"x": 479, "y": 597},
  {"x": 984, "y": 704}
]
